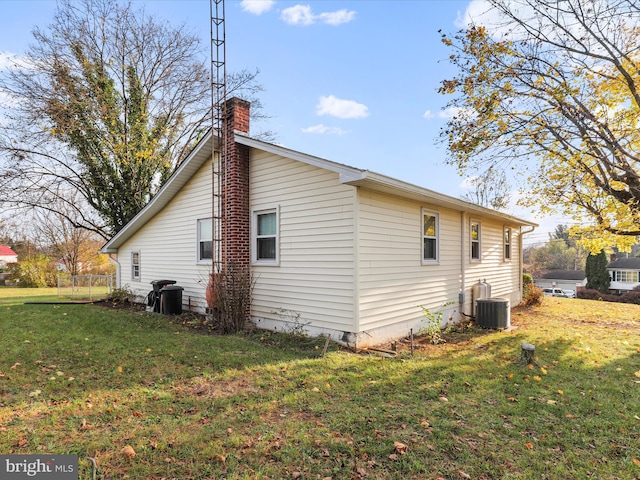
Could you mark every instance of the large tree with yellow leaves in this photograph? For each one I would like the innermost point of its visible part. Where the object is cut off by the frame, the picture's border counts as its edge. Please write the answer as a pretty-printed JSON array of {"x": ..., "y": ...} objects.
[{"x": 551, "y": 89}]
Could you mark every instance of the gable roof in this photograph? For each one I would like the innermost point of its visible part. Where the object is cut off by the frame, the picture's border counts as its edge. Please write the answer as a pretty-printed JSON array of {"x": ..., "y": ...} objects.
[
  {"x": 347, "y": 175},
  {"x": 631, "y": 263},
  {"x": 6, "y": 251}
]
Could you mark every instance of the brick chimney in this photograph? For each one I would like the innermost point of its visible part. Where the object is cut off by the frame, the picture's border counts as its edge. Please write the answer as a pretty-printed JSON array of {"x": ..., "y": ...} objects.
[{"x": 236, "y": 230}]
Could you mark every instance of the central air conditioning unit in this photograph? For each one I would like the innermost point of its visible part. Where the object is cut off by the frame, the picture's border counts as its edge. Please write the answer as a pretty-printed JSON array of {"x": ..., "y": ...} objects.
[{"x": 493, "y": 313}]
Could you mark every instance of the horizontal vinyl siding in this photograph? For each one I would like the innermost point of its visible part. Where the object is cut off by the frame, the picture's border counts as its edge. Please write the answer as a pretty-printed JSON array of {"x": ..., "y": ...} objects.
[
  {"x": 315, "y": 275},
  {"x": 393, "y": 282},
  {"x": 167, "y": 243},
  {"x": 503, "y": 276}
]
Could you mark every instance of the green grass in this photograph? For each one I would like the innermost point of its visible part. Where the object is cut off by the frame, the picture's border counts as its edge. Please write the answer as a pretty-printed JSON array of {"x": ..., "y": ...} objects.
[{"x": 88, "y": 380}]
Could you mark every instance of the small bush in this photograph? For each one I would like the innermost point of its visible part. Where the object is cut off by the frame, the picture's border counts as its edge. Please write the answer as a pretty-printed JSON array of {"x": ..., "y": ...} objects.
[
  {"x": 120, "y": 296},
  {"x": 232, "y": 290},
  {"x": 532, "y": 295},
  {"x": 632, "y": 296}
]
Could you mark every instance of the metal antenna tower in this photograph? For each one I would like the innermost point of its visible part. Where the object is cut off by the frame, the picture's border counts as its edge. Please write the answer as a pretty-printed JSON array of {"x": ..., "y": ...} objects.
[{"x": 218, "y": 100}]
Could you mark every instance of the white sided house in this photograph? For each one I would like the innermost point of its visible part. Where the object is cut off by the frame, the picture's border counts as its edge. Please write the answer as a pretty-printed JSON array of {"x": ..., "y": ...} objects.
[{"x": 345, "y": 251}]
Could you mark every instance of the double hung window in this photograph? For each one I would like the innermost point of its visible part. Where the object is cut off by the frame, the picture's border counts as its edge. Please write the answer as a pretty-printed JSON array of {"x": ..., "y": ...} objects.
[
  {"x": 430, "y": 234},
  {"x": 265, "y": 236},
  {"x": 475, "y": 241}
]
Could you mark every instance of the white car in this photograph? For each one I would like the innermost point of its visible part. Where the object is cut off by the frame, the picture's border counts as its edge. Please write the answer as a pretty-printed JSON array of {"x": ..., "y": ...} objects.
[
  {"x": 554, "y": 292},
  {"x": 570, "y": 293}
]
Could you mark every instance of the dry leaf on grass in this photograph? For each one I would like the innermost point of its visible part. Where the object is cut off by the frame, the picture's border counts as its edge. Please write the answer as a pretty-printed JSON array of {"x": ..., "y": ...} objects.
[
  {"x": 399, "y": 448},
  {"x": 128, "y": 451}
]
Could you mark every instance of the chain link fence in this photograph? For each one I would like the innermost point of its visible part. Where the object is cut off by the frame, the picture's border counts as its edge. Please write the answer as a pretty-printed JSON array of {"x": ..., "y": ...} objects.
[{"x": 85, "y": 287}]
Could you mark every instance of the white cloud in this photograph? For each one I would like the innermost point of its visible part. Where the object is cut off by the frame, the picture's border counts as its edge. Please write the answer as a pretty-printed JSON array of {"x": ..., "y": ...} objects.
[
  {"x": 298, "y": 15},
  {"x": 338, "y": 17},
  {"x": 257, "y": 7},
  {"x": 303, "y": 15},
  {"x": 324, "y": 130},
  {"x": 337, "y": 107},
  {"x": 428, "y": 114}
]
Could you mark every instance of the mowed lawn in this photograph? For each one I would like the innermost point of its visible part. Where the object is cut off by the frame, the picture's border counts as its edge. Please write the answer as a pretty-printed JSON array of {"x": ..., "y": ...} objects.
[{"x": 149, "y": 397}]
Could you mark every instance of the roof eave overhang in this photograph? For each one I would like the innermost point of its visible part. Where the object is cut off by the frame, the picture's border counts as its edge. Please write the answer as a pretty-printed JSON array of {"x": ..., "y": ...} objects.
[{"x": 384, "y": 184}]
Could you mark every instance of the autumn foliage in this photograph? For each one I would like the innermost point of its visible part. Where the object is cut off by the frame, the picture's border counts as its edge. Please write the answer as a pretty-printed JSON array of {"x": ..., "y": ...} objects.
[{"x": 550, "y": 91}]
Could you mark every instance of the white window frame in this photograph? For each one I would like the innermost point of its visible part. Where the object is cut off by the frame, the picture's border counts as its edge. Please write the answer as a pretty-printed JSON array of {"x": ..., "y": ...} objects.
[
  {"x": 473, "y": 222},
  {"x": 199, "y": 240},
  {"x": 436, "y": 215},
  {"x": 508, "y": 244},
  {"x": 254, "y": 236},
  {"x": 624, "y": 276},
  {"x": 135, "y": 277}
]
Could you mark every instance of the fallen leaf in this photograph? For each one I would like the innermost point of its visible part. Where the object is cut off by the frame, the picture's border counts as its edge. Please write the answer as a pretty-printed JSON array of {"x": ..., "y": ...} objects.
[
  {"x": 393, "y": 457},
  {"x": 560, "y": 392},
  {"x": 636, "y": 461},
  {"x": 637, "y": 374},
  {"x": 568, "y": 415},
  {"x": 400, "y": 448},
  {"x": 529, "y": 446},
  {"x": 35, "y": 393},
  {"x": 464, "y": 474},
  {"x": 543, "y": 370},
  {"x": 220, "y": 458},
  {"x": 119, "y": 368},
  {"x": 128, "y": 451},
  {"x": 537, "y": 378},
  {"x": 17, "y": 364}
]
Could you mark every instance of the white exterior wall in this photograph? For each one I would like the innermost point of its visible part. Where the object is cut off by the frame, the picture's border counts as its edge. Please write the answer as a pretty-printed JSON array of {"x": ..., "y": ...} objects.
[
  {"x": 393, "y": 281},
  {"x": 315, "y": 275},
  {"x": 168, "y": 244},
  {"x": 504, "y": 276}
]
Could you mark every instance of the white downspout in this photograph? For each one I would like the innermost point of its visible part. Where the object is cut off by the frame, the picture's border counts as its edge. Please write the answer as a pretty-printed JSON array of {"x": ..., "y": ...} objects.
[
  {"x": 520, "y": 282},
  {"x": 463, "y": 281},
  {"x": 114, "y": 260}
]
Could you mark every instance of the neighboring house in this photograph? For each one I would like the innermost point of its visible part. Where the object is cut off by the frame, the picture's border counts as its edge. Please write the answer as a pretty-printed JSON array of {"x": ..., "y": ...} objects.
[
  {"x": 625, "y": 274},
  {"x": 347, "y": 251},
  {"x": 562, "y": 279},
  {"x": 7, "y": 256}
]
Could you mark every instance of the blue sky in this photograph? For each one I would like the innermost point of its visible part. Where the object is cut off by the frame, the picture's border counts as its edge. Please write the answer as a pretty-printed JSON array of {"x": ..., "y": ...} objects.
[{"x": 350, "y": 81}]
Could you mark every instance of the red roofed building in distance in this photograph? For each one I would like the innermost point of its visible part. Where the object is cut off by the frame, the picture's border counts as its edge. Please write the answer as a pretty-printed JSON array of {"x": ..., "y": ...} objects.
[{"x": 7, "y": 256}]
